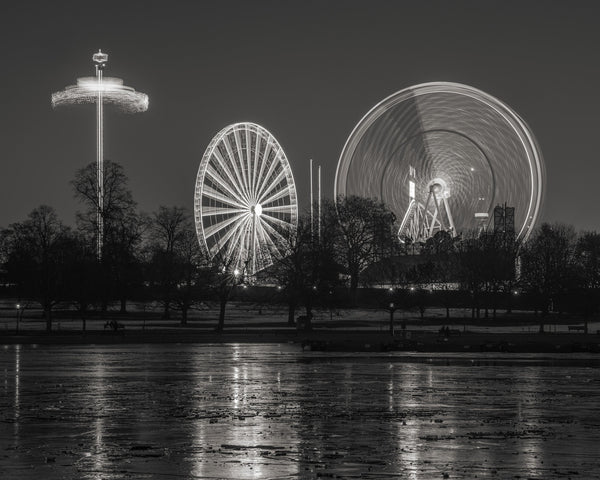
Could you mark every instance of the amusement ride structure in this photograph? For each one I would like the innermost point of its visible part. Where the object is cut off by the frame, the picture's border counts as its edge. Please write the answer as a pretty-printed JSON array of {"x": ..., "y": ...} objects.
[
  {"x": 442, "y": 156},
  {"x": 101, "y": 90},
  {"x": 245, "y": 197}
]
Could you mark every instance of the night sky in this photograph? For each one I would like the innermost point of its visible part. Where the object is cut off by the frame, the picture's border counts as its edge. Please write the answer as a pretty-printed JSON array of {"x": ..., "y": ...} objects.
[{"x": 305, "y": 70}]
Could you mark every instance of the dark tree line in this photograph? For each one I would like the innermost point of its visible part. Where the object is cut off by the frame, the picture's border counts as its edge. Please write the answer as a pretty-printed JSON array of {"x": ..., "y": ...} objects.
[{"x": 157, "y": 257}]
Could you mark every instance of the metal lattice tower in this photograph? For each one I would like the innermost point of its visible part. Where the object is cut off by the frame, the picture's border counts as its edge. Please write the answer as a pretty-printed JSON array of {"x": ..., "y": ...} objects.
[{"x": 423, "y": 220}]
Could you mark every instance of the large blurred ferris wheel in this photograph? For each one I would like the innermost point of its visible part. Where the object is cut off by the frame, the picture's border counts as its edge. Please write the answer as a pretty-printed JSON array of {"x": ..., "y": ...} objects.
[
  {"x": 245, "y": 198},
  {"x": 442, "y": 156}
]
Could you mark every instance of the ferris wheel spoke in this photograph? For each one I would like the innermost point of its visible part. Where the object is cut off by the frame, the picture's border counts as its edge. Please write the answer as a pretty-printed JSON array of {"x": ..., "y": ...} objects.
[
  {"x": 259, "y": 245},
  {"x": 267, "y": 245},
  {"x": 215, "y": 249},
  {"x": 228, "y": 241},
  {"x": 222, "y": 163},
  {"x": 249, "y": 162},
  {"x": 278, "y": 209},
  {"x": 210, "y": 192},
  {"x": 236, "y": 238},
  {"x": 213, "y": 229},
  {"x": 257, "y": 159},
  {"x": 273, "y": 233},
  {"x": 272, "y": 167},
  {"x": 276, "y": 196},
  {"x": 213, "y": 211},
  {"x": 212, "y": 172},
  {"x": 264, "y": 162},
  {"x": 276, "y": 221},
  {"x": 233, "y": 161},
  {"x": 240, "y": 159}
]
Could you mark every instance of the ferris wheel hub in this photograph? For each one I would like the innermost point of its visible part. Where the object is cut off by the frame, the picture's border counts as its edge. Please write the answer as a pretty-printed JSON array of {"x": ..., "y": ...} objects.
[
  {"x": 439, "y": 187},
  {"x": 256, "y": 210}
]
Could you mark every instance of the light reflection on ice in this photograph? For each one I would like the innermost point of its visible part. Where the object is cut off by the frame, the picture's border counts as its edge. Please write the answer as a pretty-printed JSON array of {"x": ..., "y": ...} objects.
[{"x": 267, "y": 411}]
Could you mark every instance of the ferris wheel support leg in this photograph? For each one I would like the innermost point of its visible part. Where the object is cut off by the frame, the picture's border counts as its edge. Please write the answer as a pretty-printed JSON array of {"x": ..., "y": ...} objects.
[
  {"x": 438, "y": 211},
  {"x": 424, "y": 223},
  {"x": 450, "y": 219}
]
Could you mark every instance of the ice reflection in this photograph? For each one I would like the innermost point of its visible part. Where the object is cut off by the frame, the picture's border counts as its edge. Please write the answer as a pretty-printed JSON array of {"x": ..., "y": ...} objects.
[
  {"x": 99, "y": 402},
  {"x": 408, "y": 431},
  {"x": 269, "y": 411},
  {"x": 238, "y": 431},
  {"x": 529, "y": 444},
  {"x": 17, "y": 407}
]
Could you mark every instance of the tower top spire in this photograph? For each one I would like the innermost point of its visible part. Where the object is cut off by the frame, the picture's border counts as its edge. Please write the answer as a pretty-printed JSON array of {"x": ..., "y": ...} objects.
[{"x": 100, "y": 58}]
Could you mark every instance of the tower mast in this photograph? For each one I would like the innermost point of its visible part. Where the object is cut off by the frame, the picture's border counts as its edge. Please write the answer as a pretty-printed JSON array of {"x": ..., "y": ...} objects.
[{"x": 100, "y": 60}]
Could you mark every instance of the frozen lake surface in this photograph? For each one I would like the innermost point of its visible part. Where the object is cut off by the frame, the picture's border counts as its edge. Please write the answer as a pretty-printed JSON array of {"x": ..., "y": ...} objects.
[{"x": 273, "y": 412}]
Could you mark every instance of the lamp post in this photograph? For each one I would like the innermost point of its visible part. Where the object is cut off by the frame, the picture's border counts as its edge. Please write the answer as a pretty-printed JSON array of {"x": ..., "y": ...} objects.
[
  {"x": 392, "y": 309},
  {"x": 18, "y": 306}
]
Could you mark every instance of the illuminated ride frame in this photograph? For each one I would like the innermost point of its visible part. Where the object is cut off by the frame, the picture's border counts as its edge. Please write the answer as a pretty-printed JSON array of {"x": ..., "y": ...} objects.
[
  {"x": 442, "y": 156},
  {"x": 245, "y": 201}
]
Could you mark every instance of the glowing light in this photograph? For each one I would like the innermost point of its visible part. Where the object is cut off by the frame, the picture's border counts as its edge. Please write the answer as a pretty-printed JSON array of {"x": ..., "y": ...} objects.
[
  {"x": 245, "y": 197},
  {"x": 477, "y": 144},
  {"x": 114, "y": 93}
]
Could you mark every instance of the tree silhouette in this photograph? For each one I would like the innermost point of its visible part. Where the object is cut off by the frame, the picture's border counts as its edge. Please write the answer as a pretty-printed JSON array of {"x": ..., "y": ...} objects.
[
  {"x": 123, "y": 228},
  {"x": 366, "y": 234},
  {"x": 39, "y": 250},
  {"x": 171, "y": 239},
  {"x": 547, "y": 264}
]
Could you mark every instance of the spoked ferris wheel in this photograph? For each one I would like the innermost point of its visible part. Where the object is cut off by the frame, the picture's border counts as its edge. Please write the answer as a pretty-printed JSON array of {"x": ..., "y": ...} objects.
[
  {"x": 442, "y": 156},
  {"x": 245, "y": 197}
]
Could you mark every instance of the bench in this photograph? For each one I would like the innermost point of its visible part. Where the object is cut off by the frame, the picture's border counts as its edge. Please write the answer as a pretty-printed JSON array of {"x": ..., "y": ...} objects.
[{"x": 580, "y": 328}]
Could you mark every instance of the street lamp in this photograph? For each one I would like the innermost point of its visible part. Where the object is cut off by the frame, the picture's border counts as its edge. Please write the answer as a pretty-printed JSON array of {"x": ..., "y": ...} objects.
[
  {"x": 18, "y": 317},
  {"x": 392, "y": 308}
]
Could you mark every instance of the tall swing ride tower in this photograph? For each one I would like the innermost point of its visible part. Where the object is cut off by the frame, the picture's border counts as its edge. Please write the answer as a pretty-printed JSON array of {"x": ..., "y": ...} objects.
[{"x": 100, "y": 90}]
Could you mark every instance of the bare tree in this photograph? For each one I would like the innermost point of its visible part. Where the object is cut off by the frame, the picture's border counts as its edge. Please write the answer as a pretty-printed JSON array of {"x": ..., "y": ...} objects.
[
  {"x": 366, "y": 234},
  {"x": 222, "y": 276},
  {"x": 123, "y": 229},
  {"x": 587, "y": 254},
  {"x": 189, "y": 261},
  {"x": 170, "y": 232},
  {"x": 39, "y": 249},
  {"x": 118, "y": 199},
  {"x": 305, "y": 264},
  {"x": 547, "y": 264}
]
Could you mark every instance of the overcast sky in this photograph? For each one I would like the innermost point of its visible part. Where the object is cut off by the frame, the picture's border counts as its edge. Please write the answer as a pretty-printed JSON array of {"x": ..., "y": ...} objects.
[{"x": 305, "y": 70}]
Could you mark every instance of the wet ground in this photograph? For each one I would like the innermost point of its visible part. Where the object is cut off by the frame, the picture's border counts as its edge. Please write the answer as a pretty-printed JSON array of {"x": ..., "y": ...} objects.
[{"x": 273, "y": 411}]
